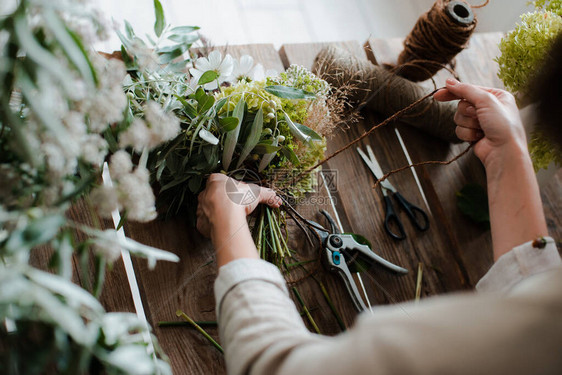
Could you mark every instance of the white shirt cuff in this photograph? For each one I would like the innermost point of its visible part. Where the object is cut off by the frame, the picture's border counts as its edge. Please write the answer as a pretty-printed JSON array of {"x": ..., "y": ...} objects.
[
  {"x": 244, "y": 269},
  {"x": 517, "y": 264}
]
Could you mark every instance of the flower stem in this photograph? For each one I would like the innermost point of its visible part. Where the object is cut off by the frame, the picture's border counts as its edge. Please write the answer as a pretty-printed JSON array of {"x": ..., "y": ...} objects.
[
  {"x": 201, "y": 330},
  {"x": 182, "y": 324},
  {"x": 419, "y": 282},
  {"x": 331, "y": 305},
  {"x": 305, "y": 309}
]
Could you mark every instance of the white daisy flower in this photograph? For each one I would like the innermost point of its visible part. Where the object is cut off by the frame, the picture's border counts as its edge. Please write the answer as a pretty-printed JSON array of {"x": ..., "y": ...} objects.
[
  {"x": 244, "y": 70},
  {"x": 215, "y": 63}
]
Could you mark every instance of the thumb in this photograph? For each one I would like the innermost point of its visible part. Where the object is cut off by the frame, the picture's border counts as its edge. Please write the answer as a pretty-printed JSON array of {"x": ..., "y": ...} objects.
[{"x": 269, "y": 197}]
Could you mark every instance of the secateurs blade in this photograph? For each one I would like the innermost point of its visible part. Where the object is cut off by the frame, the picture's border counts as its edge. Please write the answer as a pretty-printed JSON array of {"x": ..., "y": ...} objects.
[{"x": 341, "y": 249}]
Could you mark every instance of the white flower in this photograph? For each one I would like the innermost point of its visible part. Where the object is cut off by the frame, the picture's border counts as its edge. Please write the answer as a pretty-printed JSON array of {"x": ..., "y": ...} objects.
[
  {"x": 215, "y": 63},
  {"x": 244, "y": 70},
  {"x": 105, "y": 200},
  {"x": 94, "y": 149},
  {"x": 120, "y": 164},
  {"x": 136, "y": 196},
  {"x": 108, "y": 248},
  {"x": 163, "y": 126},
  {"x": 106, "y": 105},
  {"x": 136, "y": 136}
]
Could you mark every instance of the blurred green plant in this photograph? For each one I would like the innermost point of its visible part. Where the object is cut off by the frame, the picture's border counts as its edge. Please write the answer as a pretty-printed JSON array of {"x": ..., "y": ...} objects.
[{"x": 523, "y": 51}]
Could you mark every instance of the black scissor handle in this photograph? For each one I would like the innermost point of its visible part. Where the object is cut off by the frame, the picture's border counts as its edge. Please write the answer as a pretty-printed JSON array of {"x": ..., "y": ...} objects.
[
  {"x": 392, "y": 220},
  {"x": 417, "y": 216}
]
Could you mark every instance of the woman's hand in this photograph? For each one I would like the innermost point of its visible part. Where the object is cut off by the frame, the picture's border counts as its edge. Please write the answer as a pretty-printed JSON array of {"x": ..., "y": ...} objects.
[
  {"x": 490, "y": 118},
  {"x": 221, "y": 215},
  {"x": 487, "y": 116}
]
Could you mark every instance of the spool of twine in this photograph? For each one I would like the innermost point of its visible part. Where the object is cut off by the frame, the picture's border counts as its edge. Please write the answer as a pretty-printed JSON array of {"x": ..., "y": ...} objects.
[
  {"x": 437, "y": 37},
  {"x": 384, "y": 92}
]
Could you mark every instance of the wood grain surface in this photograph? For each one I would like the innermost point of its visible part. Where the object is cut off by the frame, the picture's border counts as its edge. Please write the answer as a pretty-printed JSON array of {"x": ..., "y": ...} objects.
[
  {"x": 116, "y": 295},
  {"x": 455, "y": 252}
]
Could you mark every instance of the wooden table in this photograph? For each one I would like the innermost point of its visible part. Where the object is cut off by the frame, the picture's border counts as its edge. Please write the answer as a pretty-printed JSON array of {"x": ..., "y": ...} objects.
[{"x": 455, "y": 252}]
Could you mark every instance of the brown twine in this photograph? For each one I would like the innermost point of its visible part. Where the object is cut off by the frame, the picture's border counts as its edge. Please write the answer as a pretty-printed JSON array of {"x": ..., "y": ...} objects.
[
  {"x": 436, "y": 38},
  {"x": 397, "y": 170},
  {"x": 481, "y": 5},
  {"x": 384, "y": 92},
  {"x": 365, "y": 134}
]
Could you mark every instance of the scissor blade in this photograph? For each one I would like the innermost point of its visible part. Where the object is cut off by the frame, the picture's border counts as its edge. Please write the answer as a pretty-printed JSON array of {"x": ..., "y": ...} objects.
[{"x": 375, "y": 168}]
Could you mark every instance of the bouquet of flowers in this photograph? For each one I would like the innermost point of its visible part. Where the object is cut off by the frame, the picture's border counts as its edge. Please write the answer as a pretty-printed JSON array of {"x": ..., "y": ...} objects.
[
  {"x": 219, "y": 114},
  {"x": 157, "y": 119}
]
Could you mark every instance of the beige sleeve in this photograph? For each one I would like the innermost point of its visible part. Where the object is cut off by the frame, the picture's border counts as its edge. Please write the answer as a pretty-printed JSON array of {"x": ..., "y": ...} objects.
[
  {"x": 519, "y": 263},
  {"x": 262, "y": 332}
]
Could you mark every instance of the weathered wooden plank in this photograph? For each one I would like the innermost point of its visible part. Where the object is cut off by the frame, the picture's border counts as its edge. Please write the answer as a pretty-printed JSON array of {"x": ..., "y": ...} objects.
[
  {"x": 469, "y": 243},
  {"x": 116, "y": 295},
  {"x": 365, "y": 208}
]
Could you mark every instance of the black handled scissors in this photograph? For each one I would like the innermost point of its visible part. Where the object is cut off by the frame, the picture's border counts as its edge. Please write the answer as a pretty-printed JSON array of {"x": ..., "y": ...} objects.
[{"x": 417, "y": 216}]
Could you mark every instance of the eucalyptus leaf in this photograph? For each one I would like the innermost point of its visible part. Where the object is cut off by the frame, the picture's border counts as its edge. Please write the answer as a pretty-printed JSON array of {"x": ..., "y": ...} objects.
[
  {"x": 37, "y": 232},
  {"x": 165, "y": 58},
  {"x": 207, "y": 77},
  {"x": 172, "y": 48},
  {"x": 194, "y": 183},
  {"x": 232, "y": 136},
  {"x": 183, "y": 39},
  {"x": 253, "y": 137},
  {"x": 129, "y": 30},
  {"x": 74, "y": 295},
  {"x": 188, "y": 109},
  {"x": 220, "y": 103},
  {"x": 267, "y": 158},
  {"x": 296, "y": 131},
  {"x": 205, "y": 103},
  {"x": 228, "y": 124},
  {"x": 160, "y": 20},
  {"x": 208, "y": 136},
  {"x": 290, "y": 154},
  {"x": 184, "y": 29},
  {"x": 285, "y": 92},
  {"x": 262, "y": 148}
]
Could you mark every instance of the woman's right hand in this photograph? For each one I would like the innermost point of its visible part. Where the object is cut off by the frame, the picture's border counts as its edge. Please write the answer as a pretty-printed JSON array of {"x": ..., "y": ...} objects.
[{"x": 486, "y": 116}]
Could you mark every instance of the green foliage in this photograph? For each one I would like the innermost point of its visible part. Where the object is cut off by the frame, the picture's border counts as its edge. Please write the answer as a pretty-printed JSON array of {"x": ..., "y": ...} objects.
[
  {"x": 554, "y": 6},
  {"x": 160, "y": 22},
  {"x": 523, "y": 49},
  {"x": 472, "y": 201},
  {"x": 543, "y": 152}
]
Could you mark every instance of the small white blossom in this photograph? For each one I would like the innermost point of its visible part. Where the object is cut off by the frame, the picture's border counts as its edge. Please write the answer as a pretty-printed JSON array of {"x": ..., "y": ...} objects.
[
  {"x": 136, "y": 136},
  {"x": 215, "y": 63},
  {"x": 105, "y": 200},
  {"x": 107, "y": 104},
  {"x": 163, "y": 126},
  {"x": 136, "y": 196},
  {"x": 108, "y": 248},
  {"x": 94, "y": 149},
  {"x": 120, "y": 164}
]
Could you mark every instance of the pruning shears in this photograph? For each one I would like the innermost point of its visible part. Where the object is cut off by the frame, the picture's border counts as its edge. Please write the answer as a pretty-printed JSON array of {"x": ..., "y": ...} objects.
[{"x": 341, "y": 249}]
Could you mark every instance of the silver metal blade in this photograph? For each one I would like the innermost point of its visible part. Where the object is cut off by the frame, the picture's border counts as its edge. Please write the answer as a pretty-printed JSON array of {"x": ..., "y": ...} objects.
[{"x": 373, "y": 166}]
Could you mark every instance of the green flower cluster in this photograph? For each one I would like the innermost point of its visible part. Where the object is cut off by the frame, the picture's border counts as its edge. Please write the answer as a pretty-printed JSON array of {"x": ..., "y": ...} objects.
[
  {"x": 301, "y": 78},
  {"x": 554, "y": 6},
  {"x": 542, "y": 152},
  {"x": 254, "y": 95},
  {"x": 523, "y": 49}
]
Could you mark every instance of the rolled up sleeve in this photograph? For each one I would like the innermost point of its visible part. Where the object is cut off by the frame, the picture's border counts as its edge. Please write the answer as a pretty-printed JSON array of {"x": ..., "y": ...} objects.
[{"x": 518, "y": 264}]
